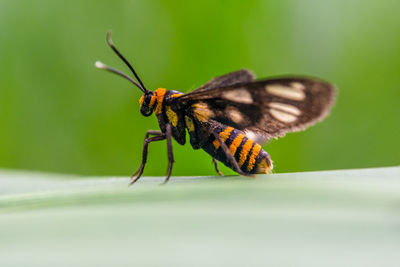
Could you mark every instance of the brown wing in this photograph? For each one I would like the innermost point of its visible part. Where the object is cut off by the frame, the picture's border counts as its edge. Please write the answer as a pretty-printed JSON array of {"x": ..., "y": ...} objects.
[
  {"x": 269, "y": 108},
  {"x": 240, "y": 76}
]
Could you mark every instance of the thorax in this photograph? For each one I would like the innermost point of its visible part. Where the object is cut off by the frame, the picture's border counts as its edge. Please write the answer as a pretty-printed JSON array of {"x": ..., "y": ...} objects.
[{"x": 166, "y": 111}]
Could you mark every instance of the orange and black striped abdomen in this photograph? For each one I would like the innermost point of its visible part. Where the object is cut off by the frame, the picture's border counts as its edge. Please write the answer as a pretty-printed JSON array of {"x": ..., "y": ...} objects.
[{"x": 249, "y": 155}]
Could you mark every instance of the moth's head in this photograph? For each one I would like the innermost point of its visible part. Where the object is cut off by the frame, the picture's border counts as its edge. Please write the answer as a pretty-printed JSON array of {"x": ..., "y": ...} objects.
[
  {"x": 148, "y": 99},
  {"x": 147, "y": 103}
]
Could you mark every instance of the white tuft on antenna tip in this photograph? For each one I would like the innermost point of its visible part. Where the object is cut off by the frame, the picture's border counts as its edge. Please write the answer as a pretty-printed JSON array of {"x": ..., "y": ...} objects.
[{"x": 99, "y": 65}]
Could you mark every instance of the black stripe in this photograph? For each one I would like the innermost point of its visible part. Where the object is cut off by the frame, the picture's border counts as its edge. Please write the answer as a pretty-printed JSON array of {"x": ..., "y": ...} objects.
[{"x": 240, "y": 148}]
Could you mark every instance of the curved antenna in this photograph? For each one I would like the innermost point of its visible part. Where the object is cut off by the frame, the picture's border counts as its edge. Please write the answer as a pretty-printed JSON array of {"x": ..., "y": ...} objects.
[
  {"x": 102, "y": 66},
  {"x": 110, "y": 43}
]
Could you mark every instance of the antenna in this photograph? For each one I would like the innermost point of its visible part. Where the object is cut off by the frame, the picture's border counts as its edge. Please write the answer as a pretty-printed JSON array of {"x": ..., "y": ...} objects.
[
  {"x": 110, "y": 43},
  {"x": 102, "y": 66}
]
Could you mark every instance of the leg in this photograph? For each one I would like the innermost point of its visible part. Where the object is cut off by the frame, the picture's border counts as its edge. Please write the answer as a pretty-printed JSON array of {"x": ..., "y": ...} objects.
[
  {"x": 144, "y": 158},
  {"x": 216, "y": 167},
  {"x": 229, "y": 155},
  {"x": 158, "y": 137},
  {"x": 168, "y": 135}
]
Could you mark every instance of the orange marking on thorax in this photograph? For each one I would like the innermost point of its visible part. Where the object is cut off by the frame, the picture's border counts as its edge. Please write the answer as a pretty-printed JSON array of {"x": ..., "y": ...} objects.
[
  {"x": 252, "y": 159},
  {"x": 160, "y": 93},
  {"x": 141, "y": 100},
  {"x": 236, "y": 143},
  {"x": 152, "y": 100},
  {"x": 245, "y": 151},
  {"x": 223, "y": 135},
  {"x": 176, "y": 95}
]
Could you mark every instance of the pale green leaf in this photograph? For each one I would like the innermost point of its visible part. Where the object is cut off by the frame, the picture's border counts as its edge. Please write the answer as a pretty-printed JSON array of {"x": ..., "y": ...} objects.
[{"x": 330, "y": 218}]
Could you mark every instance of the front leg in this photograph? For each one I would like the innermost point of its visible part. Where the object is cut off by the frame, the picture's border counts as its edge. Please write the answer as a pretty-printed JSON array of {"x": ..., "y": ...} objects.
[{"x": 158, "y": 137}]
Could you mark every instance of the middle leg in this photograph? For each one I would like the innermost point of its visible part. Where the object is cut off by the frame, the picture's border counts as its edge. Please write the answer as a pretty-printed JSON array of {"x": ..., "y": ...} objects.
[{"x": 168, "y": 136}]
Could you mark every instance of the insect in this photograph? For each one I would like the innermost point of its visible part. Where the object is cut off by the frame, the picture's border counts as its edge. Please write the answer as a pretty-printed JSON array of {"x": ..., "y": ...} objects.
[{"x": 231, "y": 115}]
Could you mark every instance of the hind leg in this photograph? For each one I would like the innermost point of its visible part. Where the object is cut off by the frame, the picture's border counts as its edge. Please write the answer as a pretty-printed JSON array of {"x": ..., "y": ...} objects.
[
  {"x": 216, "y": 167},
  {"x": 229, "y": 156}
]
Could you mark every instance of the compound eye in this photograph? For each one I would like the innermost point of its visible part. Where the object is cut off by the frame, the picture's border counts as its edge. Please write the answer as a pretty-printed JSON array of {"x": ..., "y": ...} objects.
[
  {"x": 146, "y": 110},
  {"x": 147, "y": 99}
]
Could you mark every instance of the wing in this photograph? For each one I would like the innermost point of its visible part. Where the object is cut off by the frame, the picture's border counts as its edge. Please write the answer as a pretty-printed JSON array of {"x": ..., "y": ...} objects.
[
  {"x": 240, "y": 76},
  {"x": 269, "y": 108}
]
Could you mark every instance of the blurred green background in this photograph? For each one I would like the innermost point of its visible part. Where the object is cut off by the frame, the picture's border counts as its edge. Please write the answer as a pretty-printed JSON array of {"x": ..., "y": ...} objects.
[{"x": 60, "y": 114}]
